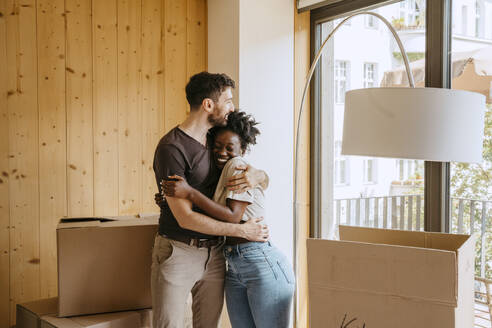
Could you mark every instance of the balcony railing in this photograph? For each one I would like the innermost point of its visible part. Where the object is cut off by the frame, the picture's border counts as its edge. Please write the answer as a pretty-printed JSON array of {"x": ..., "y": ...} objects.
[{"x": 406, "y": 212}]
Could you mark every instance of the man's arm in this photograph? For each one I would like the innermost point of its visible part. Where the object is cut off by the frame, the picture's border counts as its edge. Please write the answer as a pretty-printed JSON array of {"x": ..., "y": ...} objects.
[
  {"x": 188, "y": 219},
  {"x": 232, "y": 211}
]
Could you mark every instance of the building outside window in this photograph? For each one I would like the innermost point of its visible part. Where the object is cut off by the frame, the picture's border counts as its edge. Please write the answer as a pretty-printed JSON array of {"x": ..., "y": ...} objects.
[
  {"x": 409, "y": 13},
  {"x": 370, "y": 170},
  {"x": 341, "y": 166},
  {"x": 342, "y": 72},
  {"x": 370, "y": 75},
  {"x": 408, "y": 169},
  {"x": 371, "y": 21},
  {"x": 464, "y": 20},
  {"x": 478, "y": 20}
]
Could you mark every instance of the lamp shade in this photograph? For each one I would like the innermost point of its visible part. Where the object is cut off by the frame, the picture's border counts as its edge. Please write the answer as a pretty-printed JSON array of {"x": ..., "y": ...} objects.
[{"x": 430, "y": 124}]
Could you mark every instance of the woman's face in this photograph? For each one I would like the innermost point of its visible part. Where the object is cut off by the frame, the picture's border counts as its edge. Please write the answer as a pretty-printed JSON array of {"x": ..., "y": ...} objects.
[{"x": 227, "y": 145}]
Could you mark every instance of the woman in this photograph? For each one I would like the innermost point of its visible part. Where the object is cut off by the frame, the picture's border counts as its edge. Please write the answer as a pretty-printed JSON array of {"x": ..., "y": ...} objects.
[{"x": 259, "y": 281}]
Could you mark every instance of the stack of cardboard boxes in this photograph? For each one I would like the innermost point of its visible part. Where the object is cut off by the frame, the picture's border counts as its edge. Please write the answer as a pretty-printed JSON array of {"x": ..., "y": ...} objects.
[{"x": 103, "y": 275}]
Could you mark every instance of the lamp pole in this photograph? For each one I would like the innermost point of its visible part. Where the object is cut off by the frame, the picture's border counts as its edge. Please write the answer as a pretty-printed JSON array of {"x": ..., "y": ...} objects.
[{"x": 299, "y": 116}]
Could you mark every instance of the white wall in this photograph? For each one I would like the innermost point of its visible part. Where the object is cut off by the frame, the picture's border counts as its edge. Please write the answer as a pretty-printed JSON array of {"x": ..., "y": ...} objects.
[{"x": 260, "y": 57}]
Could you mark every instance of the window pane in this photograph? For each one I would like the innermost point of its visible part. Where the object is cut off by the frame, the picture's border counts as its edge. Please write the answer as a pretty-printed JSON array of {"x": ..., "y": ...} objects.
[
  {"x": 366, "y": 56},
  {"x": 471, "y": 184}
]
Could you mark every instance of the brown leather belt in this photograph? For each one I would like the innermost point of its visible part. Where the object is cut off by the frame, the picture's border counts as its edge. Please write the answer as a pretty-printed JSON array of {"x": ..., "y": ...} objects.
[
  {"x": 197, "y": 242},
  {"x": 235, "y": 241}
]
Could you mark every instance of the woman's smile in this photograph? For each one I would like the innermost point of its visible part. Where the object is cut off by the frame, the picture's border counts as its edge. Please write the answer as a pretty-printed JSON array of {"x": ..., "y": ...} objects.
[{"x": 227, "y": 145}]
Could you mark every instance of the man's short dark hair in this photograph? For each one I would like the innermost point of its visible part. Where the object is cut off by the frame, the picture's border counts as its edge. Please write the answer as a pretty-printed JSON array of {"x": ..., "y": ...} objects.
[{"x": 206, "y": 85}]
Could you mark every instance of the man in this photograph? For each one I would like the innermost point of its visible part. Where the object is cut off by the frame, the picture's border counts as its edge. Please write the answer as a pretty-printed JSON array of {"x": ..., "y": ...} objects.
[{"x": 187, "y": 254}]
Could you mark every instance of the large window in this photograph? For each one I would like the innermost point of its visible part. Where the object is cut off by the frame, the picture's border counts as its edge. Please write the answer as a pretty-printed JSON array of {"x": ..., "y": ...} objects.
[
  {"x": 396, "y": 186},
  {"x": 363, "y": 62}
]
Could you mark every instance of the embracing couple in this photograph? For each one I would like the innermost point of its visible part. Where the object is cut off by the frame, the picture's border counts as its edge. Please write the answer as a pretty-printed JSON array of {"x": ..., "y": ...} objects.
[{"x": 212, "y": 207}]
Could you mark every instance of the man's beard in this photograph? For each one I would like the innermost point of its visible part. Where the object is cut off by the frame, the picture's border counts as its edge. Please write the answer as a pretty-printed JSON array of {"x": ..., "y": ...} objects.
[{"x": 217, "y": 120}]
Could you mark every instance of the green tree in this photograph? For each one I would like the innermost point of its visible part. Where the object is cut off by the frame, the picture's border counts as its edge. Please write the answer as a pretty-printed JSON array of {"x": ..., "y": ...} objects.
[{"x": 474, "y": 182}]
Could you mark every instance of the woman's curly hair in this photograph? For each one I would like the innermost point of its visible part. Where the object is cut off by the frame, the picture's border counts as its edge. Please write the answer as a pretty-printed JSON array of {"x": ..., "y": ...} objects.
[{"x": 242, "y": 124}]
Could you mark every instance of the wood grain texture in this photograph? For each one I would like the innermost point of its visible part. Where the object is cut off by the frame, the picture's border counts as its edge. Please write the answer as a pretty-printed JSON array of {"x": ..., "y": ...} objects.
[
  {"x": 23, "y": 152},
  {"x": 105, "y": 107},
  {"x": 196, "y": 31},
  {"x": 80, "y": 120},
  {"x": 129, "y": 106},
  {"x": 80, "y": 173},
  {"x": 176, "y": 63},
  {"x": 4, "y": 175},
  {"x": 52, "y": 136},
  {"x": 152, "y": 97}
]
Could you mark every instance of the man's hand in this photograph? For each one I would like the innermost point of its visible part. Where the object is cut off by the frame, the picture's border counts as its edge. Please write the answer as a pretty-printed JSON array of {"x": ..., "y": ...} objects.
[
  {"x": 176, "y": 187},
  {"x": 254, "y": 230},
  {"x": 249, "y": 179}
]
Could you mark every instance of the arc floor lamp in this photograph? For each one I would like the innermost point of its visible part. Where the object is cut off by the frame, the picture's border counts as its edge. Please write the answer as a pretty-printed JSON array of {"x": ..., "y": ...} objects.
[{"x": 429, "y": 124}]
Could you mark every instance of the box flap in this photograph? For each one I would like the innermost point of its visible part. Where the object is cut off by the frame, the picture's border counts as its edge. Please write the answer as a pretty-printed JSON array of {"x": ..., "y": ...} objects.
[
  {"x": 434, "y": 240},
  {"x": 420, "y": 274},
  {"x": 382, "y": 236},
  {"x": 446, "y": 241},
  {"x": 110, "y": 221}
]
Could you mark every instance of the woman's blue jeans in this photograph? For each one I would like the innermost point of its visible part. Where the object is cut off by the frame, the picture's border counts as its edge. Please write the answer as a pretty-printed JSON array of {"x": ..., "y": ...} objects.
[{"x": 259, "y": 286}]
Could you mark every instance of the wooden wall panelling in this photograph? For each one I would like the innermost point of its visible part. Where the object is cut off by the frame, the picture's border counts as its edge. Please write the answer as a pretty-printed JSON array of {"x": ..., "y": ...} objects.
[
  {"x": 105, "y": 110},
  {"x": 152, "y": 97},
  {"x": 196, "y": 30},
  {"x": 129, "y": 106},
  {"x": 23, "y": 144},
  {"x": 80, "y": 174},
  {"x": 80, "y": 120},
  {"x": 176, "y": 64},
  {"x": 52, "y": 135},
  {"x": 4, "y": 175}
]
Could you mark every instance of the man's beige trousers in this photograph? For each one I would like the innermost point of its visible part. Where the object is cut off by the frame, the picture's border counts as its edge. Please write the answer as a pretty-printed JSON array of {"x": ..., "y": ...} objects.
[{"x": 177, "y": 269}]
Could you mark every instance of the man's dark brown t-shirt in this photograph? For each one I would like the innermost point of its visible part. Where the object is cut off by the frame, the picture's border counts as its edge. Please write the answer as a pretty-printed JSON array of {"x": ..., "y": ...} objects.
[{"x": 179, "y": 154}]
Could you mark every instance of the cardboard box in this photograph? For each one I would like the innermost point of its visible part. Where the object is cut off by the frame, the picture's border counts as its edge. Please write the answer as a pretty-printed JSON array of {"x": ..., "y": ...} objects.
[
  {"x": 129, "y": 319},
  {"x": 390, "y": 278},
  {"x": 104, "y": 264},
  {"x": 42, "y": 313},
  {"x": 28, "y": 314}
]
